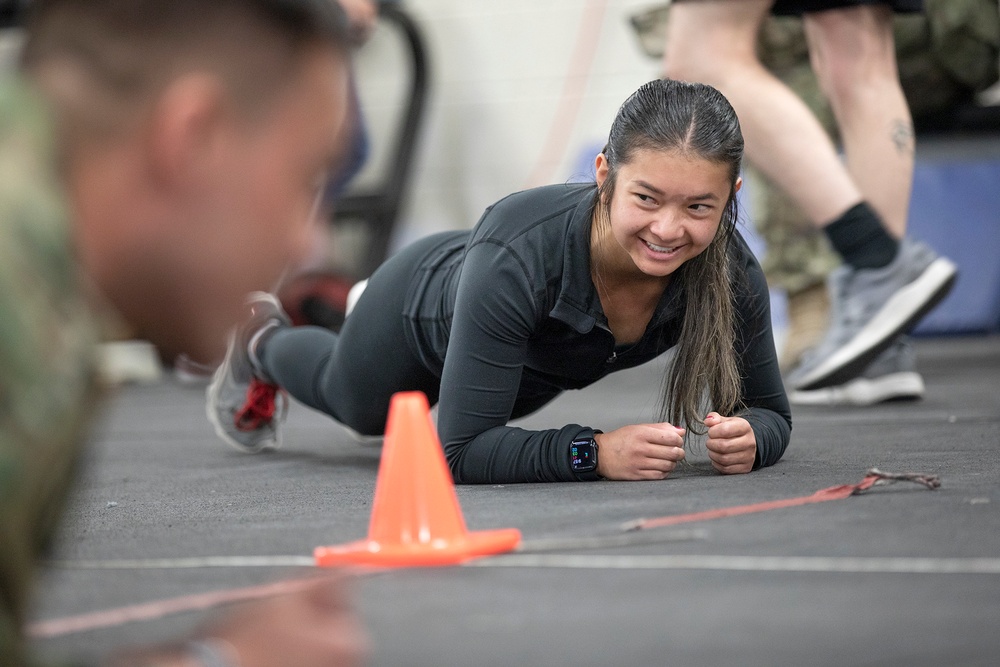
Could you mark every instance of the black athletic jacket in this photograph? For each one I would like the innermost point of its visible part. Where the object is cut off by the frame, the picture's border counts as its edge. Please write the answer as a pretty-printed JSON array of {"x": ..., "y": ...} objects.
[{"x": 509, "y": 317}]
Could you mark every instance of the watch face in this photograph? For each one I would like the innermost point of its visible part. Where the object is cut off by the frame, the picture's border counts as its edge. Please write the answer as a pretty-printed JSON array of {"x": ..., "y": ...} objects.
[{"x": 583, "y": 455}]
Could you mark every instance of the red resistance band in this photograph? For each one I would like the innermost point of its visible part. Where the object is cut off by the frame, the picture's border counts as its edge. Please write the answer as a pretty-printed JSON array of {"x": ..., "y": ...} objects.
[{"x": 874, "y": 476}]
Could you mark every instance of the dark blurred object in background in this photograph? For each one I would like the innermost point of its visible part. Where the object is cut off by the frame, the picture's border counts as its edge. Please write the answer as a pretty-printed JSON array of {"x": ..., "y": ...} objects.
[{"x": 11, "y": 12}]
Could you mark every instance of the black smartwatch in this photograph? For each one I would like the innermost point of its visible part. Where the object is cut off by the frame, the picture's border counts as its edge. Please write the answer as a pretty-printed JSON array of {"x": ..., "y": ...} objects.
[{"x": 583, "y": 455}]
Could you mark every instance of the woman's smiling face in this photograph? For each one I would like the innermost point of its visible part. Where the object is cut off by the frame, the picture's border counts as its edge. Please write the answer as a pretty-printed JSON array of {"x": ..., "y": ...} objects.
[{"x": 666, "y": 207}]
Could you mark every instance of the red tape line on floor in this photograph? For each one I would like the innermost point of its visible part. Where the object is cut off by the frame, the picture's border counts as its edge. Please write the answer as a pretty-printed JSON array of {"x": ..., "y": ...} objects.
[
  {"x": 160, "y": 608},
  {"x": 823, "y": 495}
]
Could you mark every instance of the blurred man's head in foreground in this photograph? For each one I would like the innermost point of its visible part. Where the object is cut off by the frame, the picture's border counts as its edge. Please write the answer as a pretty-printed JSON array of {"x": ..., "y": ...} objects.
[{"x": 194, "y": 139}]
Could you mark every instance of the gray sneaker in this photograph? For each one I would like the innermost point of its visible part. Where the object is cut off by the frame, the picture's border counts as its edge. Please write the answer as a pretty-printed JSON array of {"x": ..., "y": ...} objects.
[
  {"x": 892, "y": 376},
  {"x": 869, "y": 309},
  {"x": 246, "y": 408}
]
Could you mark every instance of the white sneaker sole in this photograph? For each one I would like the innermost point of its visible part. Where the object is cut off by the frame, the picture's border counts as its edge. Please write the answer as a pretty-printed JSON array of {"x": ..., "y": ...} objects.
[
  {"x": 902, "y": 311},
  {"x": 864, "y": 391}
]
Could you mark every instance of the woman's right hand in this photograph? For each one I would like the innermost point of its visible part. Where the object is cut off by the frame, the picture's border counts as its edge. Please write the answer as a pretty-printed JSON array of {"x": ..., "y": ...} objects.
[{"x": 639, "y": 451}]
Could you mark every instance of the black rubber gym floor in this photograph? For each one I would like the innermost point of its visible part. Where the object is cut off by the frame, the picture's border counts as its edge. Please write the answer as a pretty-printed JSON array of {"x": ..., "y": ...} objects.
[{"x": 899, "y": 575}]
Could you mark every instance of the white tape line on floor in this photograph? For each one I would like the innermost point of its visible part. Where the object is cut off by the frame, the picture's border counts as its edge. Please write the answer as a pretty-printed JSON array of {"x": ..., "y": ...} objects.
[
  {"x": 749, "y": 563},
  {"x": 897, "y": 565},
  {"x": 184, "y": 563}
]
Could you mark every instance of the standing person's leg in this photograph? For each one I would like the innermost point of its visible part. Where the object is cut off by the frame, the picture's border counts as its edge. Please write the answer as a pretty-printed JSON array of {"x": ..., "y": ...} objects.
[
  {"x": 880, "y": 292},
  {"x": 714, "y": 41},
  {"x": 854, "y": 57},
  {"x": 852, "y": 52}
]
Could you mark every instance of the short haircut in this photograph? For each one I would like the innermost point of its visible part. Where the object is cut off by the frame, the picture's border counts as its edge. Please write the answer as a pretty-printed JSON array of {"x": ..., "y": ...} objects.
[{"x": 123, "y": 51}]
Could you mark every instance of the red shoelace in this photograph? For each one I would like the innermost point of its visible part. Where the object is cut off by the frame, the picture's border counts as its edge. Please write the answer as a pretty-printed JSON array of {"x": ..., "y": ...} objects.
[{"x": 259, "y": 408}]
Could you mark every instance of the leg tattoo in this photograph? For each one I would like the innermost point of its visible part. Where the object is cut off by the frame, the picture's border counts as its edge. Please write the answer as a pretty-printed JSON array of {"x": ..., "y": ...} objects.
[{"x": 903, "y": 136}]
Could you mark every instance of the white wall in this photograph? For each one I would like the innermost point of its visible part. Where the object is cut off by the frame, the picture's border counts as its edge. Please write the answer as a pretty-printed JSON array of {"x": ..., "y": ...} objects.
[
  {"x": 518, "y": 89},
  {"x": 10, "y": 42}
]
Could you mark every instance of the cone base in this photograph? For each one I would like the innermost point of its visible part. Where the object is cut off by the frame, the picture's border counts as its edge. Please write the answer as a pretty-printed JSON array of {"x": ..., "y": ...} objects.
[{"x": 370, "y": 552}]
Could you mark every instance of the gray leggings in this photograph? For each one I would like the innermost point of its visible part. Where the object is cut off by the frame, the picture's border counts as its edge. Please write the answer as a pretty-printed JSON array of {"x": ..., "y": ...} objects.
[{"x": 351, "y": 376}]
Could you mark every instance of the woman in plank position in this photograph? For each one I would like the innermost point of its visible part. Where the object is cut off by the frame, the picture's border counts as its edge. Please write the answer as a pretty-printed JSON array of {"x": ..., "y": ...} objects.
[{"x": 553, "y": 289}]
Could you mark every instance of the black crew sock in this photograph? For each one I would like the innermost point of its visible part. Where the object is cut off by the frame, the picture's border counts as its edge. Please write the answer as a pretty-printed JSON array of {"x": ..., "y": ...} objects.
[{"x": 861, "y": 239}]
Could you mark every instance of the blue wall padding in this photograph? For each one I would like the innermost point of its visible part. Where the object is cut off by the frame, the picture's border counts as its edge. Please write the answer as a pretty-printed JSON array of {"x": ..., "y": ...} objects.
[{"x": 955, "y": 209}]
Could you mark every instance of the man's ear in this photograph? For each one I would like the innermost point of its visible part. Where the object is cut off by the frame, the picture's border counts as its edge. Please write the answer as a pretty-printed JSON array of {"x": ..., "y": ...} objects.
[{"x": 186, "y": 129}]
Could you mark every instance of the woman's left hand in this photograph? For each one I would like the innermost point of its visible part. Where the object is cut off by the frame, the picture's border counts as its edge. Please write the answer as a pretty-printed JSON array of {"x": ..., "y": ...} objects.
[{"x": 732, "y": 446}]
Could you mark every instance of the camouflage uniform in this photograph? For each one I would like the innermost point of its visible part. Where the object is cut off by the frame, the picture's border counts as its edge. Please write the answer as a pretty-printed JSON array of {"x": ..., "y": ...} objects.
[{"x": 47, "y": 362}]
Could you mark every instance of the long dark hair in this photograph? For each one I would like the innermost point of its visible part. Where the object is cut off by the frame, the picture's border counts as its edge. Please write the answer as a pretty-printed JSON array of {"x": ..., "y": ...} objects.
[{"x": 692, "y": 118}]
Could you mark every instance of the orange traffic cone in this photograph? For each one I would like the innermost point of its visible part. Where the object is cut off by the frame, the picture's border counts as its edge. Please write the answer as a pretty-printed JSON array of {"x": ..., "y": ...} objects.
[{"x": 416, "y": 519}]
